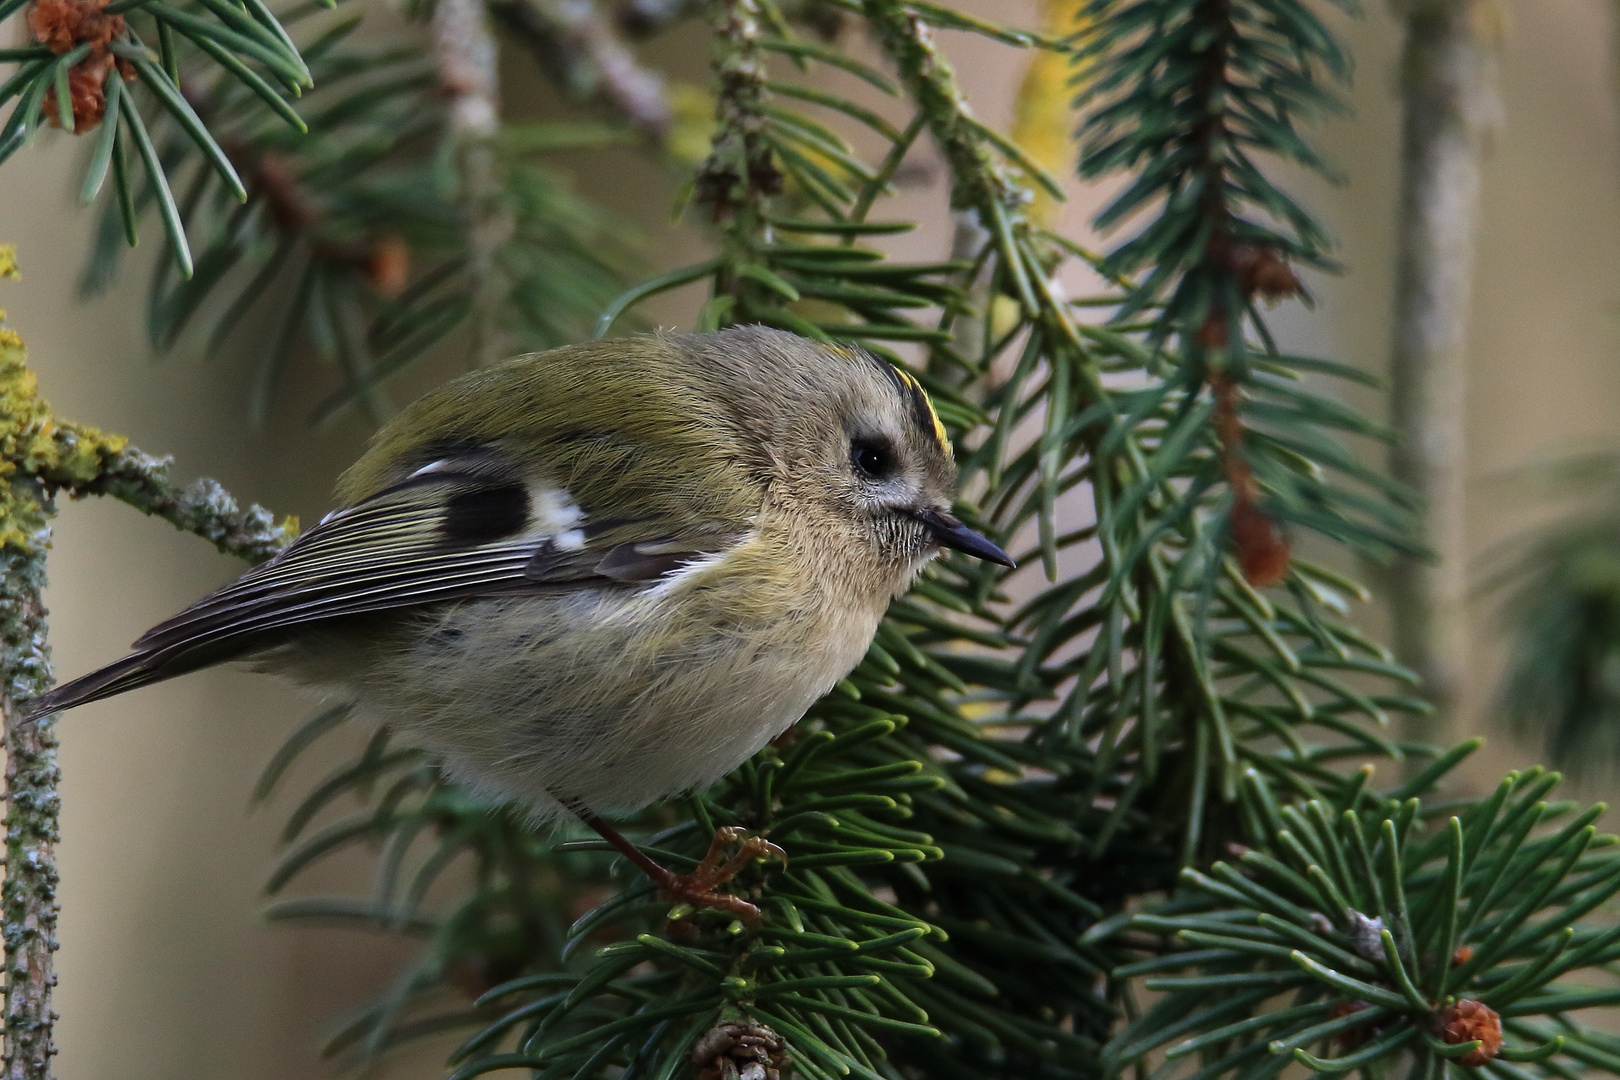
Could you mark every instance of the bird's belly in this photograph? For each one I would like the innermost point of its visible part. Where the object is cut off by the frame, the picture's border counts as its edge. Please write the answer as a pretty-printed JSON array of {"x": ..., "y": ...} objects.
[{"x": 558, "y": 697}]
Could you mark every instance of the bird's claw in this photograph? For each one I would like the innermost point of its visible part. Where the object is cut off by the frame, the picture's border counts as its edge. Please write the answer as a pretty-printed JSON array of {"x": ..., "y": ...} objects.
[{"x": 697, "y": 888}]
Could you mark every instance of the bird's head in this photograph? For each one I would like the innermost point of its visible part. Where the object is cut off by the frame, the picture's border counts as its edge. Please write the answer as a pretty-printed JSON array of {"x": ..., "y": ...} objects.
[{"x": 853, "y": 445}]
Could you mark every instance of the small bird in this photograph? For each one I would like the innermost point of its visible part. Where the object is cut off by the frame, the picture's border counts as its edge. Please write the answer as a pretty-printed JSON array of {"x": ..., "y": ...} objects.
[{"x": 594, "y": 577}]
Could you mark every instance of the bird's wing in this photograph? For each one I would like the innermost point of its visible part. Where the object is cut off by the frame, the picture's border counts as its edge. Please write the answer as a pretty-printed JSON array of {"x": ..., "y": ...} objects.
[{"x": 464, "y": 526}]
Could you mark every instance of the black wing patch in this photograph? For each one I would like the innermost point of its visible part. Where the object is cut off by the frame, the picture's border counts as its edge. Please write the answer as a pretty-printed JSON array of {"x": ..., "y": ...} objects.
[{"x": 486, "y": 514}]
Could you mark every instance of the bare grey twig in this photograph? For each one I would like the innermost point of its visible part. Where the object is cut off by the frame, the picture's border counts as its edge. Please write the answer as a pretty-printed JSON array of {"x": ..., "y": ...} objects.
[{"x": 579, "y": 48}]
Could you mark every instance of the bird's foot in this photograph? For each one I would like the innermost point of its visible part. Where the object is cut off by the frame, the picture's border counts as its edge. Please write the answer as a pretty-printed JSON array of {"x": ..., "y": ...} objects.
[{"x": 698, "y": 887}]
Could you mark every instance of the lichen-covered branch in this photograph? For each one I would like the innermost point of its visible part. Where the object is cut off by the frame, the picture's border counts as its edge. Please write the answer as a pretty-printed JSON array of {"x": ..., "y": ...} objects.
[
  {"x": 466, "y": 53},
  {"x": 28, "y": 900},
  {"x": 28, "y": 897},
  {"x": 1448, "y": 87},
  {"x": 203, "y": 507},
  {"x": 579, "y": 48},
  {"x": 41, "y": 456},
  {"x": 978, "y": 180}
]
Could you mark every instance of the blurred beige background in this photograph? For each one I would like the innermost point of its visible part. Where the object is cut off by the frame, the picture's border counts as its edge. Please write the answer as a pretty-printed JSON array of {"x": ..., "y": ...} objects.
[{"x": 166, "y": 969}]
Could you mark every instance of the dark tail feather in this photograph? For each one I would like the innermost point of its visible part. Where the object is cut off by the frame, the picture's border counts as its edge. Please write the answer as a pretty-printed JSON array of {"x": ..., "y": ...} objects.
[
  {"x": 136, "y": 669},
  {"x": 133, "y": 671}
]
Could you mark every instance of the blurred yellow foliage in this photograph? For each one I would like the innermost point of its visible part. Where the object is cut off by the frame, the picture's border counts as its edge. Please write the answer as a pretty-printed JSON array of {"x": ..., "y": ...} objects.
[
  {"x": 692, "y": 125},
  {"x": 1043, "y": 121}
]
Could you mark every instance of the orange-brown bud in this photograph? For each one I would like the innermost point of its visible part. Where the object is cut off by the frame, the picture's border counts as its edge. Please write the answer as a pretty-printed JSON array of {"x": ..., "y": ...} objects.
[
  {"x": 60, "y": 25},
  {"x": 389, "y": 268},
  {"x": 86, "y": 87},
  {"x": 1263, "y": 551},
  {"x": 1466, "y": 1021}
]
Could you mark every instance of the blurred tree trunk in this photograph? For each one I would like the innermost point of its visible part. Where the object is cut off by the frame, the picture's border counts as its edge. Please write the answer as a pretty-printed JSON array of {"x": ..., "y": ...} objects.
[
  {"x": 467, "y": 53},
  {"x": 1449, "y": 97}
]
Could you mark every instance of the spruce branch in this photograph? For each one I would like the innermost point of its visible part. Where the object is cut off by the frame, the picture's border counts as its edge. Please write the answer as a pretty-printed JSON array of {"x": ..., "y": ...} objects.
[
  {"x": 1218, "y": 85},
  {"x": 352, "y": 235},
  {"x": 514, "y": 925},
  {"x": 739, "y": 172},
  {"x": 1354, "y": 935},
  {"x": 1160, "y": 448}
]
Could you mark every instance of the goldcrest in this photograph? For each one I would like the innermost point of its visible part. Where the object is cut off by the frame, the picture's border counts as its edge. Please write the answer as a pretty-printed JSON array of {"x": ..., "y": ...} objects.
[{"x": 601, "y": 575}]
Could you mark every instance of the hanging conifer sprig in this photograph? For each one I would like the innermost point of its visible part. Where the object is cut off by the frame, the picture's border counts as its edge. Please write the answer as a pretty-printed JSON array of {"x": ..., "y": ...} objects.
[
  {"x": 1194, "y": 94},
  {"x": 1352, "y": 937},
  {"x": 86, "y": 59},
  {"x": 1192, "y": 667}
]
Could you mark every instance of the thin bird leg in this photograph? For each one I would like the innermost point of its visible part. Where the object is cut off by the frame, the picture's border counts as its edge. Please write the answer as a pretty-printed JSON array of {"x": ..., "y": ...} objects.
[{"x": 696, "y": 888}]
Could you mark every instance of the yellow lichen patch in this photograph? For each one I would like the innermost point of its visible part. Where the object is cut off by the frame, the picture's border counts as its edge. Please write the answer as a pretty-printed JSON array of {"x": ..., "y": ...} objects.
[
  {"x": 1043, "y": 123},
  {"x": 34, "y": 445}
]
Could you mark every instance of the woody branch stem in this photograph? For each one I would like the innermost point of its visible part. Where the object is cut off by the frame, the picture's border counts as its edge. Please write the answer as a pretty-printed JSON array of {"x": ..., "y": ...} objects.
[{"x": 28, "y": 899}]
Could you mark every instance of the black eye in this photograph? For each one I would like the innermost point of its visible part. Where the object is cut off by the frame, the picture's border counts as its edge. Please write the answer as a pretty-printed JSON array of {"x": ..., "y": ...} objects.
[{"x": 870, "y": 459}]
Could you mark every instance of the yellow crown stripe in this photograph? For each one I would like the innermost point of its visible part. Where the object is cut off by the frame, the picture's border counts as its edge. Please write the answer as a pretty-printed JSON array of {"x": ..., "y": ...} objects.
[{"x": 922, "y": 395}]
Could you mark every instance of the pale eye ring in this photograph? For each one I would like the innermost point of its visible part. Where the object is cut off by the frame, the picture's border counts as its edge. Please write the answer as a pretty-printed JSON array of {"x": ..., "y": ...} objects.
[{"x": 871, "y": 458}]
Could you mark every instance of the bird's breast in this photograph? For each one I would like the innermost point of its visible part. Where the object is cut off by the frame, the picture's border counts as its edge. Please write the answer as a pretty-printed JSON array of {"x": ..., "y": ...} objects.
[{"x": 622, "y": 696}]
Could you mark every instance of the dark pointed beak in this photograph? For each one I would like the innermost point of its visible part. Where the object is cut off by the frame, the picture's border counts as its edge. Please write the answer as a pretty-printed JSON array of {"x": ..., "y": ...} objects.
[{"x": 951, "y": 533}]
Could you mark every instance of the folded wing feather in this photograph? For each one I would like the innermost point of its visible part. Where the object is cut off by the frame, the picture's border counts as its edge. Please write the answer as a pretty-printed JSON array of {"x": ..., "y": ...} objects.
[{"x": 445, "y": 533}]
